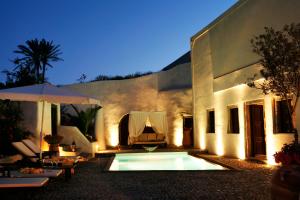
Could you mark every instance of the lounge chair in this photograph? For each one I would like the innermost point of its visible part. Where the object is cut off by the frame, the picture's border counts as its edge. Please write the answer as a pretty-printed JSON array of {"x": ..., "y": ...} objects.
[
  {"x": 50, "y": 173},
  {"x": 22, "y": 148},
  {"x": 10, "y": 159},
  {"x": 66, "y": 163},
  {"x": 37, "y": 150},
  {"x": 23, "y": 182},
  {"x": 31, "y": 146},
  {"x": 32, "y": 156}
]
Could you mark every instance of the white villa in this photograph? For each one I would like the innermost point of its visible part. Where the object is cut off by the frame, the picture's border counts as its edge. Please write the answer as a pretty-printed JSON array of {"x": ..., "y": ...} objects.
[
  {"x": 229, "y": 118},
  {"x": 168, "y": 92}
]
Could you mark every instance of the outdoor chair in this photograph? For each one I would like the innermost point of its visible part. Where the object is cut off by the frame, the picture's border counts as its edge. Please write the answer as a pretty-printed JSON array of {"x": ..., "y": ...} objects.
[
  {"x": 66, "y": 163},
  {"x": 37, "y": 150},
  {"x": 48, "y": 173},
  {"x": 32, "y": 147},
  {"x": 23, "y": 182},
  {"x": 29, "y": 154},
  {"x": 10, "y": 159}
]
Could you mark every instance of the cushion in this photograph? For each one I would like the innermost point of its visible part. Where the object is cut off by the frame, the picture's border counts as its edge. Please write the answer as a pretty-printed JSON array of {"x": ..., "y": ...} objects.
[
  {"x": 143, "y": 138},
  {"x": 31, "y": 146},
  {"x": 151, "y": 137},
  {"x": 160, "y": 137}
]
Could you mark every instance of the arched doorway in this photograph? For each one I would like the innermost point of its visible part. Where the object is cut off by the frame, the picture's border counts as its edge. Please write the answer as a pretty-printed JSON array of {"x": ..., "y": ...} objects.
[
  {"x": 123, "y": 130},
  {"x": 124, "y": 133}
]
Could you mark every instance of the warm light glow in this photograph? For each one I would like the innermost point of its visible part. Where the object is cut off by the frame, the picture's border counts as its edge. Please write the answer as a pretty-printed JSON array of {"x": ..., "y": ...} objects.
[
  {"x": 178, "y": 131},
  {"x": 65, "y": 153},
  {"x": 148, "y": 122},
  {"x": 203, "y": 135},
  {"x": 219, "y": 123},
  {"x": 221, "y": 119},
  {"x": 219, "y": 143},
  {"x": 45, "y": 145},
  {"x": 238, "y": 87},
  {"x": 241, "y": 148},
  {"x": 270, "y": 147},
  {"x": 113, "y": 135},
  {"x": 202, "y": 140}
]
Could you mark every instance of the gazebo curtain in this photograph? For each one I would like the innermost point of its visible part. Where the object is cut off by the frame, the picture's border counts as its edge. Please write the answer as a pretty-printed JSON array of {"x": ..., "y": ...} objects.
[
  {"x": 137, "y": 122},
  {"x": 158, "y": 122}
]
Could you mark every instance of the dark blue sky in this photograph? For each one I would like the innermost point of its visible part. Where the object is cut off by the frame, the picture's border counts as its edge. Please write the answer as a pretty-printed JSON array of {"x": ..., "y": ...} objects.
[{"x": 107, "y": 37}]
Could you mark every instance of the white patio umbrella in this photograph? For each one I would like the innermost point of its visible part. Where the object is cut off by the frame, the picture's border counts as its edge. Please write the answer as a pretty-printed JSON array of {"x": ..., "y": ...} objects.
[{"x": 46, "y": 93}]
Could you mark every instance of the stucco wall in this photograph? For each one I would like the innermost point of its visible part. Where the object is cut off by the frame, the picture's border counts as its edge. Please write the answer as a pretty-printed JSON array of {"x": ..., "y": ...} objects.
[
  {"x": 163, "y": 91},
  {"x": 221, "y": 63},
  {"x": 230, "y": 36},
  {"x": 72, "y": 134},
  {"x": 32, "y": 112},
  {"x": 178, "y": 78}
]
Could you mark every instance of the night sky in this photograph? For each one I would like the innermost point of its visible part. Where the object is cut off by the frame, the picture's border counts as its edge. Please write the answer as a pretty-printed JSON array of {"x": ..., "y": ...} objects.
[{"x": 110, "y": 37}]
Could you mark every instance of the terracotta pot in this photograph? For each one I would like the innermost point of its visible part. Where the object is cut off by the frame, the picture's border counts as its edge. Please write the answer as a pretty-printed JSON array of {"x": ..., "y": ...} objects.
[{"x": 286, "y": 182}]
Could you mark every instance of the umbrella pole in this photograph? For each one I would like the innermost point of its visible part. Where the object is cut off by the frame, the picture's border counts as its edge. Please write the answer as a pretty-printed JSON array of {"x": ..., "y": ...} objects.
[{"x": 41, "y": 133}]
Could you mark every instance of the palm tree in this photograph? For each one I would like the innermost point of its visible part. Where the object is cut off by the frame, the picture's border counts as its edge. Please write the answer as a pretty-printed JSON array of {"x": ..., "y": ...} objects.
[
  {"x": 38, "y": 54},
  {"x": 49, "y": 53},
  {"x": 84, "y": 120}
]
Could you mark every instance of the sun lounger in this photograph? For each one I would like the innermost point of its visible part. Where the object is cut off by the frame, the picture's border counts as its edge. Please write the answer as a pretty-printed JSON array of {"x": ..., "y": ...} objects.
[
  {"x": 34, "y": 157},
  {"x": 37, "y": 150},
  {"x": 31, "y": 146},
  {"x": 10, "y": 159},
  {"x": 22, "y": 148},
  {"x": 23, "y": 182},
  {"x": 51, "y": 173}
]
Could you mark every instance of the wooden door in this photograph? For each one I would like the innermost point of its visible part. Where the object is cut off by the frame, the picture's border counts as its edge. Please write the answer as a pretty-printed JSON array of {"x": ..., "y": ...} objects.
[
  {"x": 123, "y": 131},
  {"x": 188, "y": 139},
  {"x": 257, "y": 130}
]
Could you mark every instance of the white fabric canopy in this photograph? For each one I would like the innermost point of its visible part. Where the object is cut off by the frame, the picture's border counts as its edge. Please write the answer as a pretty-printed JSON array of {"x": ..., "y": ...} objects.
[
  {"x": 137, "y": 122},
  {"x": 46, "y": 92},
  {"x": 159, "y": 122}
]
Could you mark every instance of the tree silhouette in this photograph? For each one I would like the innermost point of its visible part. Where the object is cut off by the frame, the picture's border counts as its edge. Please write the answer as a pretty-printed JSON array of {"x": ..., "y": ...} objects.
[{"x": 38, "y": 54}]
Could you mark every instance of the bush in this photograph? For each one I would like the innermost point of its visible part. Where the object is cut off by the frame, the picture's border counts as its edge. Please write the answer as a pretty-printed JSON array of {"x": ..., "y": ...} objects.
[
  {"x": 11, "y": 130},
  {"x": 289, "y": 154}
]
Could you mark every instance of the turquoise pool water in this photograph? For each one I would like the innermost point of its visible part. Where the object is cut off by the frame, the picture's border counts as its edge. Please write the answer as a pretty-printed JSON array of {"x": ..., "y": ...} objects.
[{"x": 160, "y": 161}]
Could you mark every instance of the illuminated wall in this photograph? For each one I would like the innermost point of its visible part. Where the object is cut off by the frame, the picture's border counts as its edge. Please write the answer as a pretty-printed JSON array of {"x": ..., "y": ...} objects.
[
  {"x": 32, "y": 112},
  {"x": 222, "y": 61},
  {"x": 168, "y": 91}
]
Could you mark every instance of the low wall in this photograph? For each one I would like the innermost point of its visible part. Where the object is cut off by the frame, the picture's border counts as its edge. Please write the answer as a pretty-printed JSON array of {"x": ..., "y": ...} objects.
[
  {"x": 168, "y": 91},
  {"x": 70, "y": 134}
]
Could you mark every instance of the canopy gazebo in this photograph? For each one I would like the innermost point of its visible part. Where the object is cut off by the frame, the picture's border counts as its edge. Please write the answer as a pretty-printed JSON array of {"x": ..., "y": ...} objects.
[
  {"x": 46, "y": 93},
  {"x": 137, "y": 122}
]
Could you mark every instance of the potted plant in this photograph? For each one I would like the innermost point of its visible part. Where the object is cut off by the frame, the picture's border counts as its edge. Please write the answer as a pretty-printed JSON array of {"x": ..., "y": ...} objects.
[
  {"x": 53, "y": 141},
  {"x": 287, "y": 177}
]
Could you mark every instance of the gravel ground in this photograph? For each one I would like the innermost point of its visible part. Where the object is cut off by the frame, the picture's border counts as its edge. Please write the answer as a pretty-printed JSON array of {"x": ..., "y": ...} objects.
[{"x": 252, "y": 182}]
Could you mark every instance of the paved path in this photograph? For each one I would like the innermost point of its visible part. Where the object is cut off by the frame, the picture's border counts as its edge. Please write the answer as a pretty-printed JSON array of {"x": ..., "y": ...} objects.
[{"x": 91, "y": 183}]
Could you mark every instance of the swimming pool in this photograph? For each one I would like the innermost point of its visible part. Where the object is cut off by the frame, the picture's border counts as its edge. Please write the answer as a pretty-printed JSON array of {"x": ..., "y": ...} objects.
[{"x": 161, "y": 161}]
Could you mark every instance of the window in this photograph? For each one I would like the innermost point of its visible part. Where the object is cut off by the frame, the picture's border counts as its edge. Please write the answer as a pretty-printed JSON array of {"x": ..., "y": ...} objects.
[
  {"x": 211, "y": 121},
  {"x": 282, "y": 119},
  {"x": 233, "y": 124}
]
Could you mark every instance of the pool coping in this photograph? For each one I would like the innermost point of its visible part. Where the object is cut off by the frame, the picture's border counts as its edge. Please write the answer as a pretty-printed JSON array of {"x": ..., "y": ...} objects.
[{"x": 216, "y": 162}]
